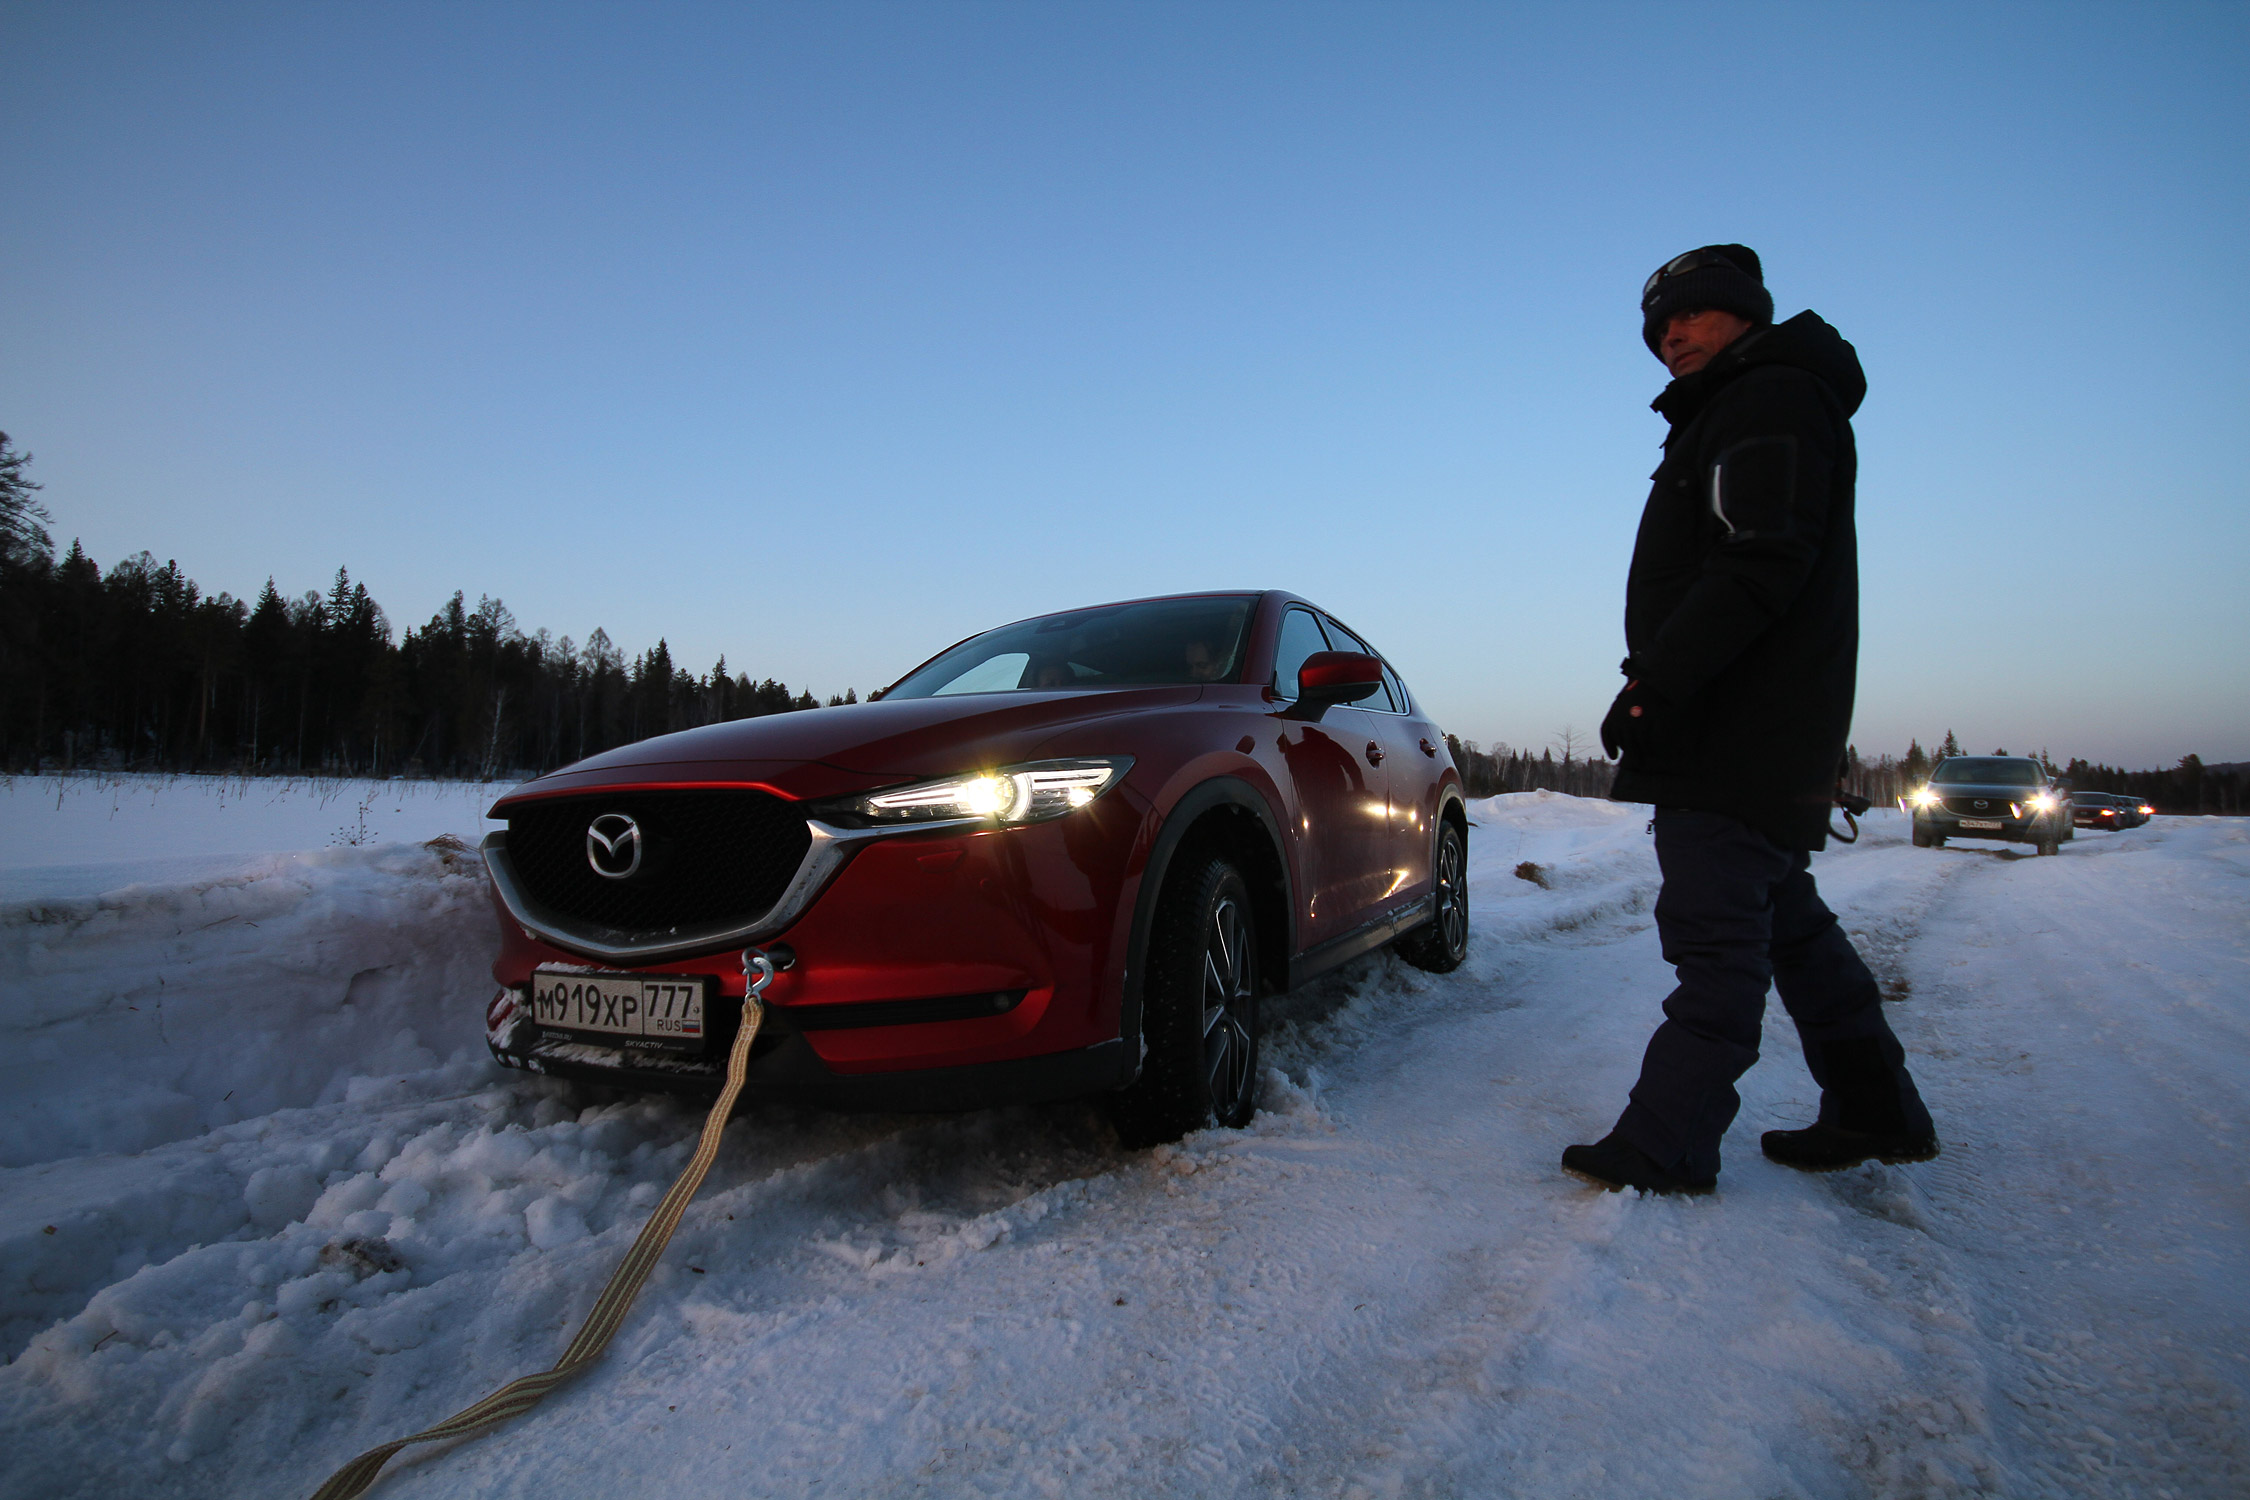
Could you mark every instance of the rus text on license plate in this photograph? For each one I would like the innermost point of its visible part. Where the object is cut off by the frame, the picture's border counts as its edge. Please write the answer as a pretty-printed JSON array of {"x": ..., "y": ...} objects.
[
  {"x": 634, "y": 1009},
  {"x": 1980, "y": 823}
]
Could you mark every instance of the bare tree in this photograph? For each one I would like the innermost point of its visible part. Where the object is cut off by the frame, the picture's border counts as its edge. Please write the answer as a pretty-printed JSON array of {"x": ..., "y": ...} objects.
[
  {"x": 22, "y": 538},
  {"x": 1568, "y": 739}
]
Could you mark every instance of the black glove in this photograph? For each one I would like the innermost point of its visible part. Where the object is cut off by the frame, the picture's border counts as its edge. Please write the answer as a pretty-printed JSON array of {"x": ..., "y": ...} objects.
[{"x": 1635, "y": 720}]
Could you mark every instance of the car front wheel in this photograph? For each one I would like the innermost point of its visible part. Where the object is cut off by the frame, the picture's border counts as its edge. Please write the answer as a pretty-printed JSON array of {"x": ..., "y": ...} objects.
[
  {"x": 1199, "y": 1010},
  {"x": 1440, "y": 944}
]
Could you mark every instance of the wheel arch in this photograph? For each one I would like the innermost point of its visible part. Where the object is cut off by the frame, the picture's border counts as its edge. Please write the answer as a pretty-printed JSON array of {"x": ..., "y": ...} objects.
[
  {"x": 1228, "y": 815},
  {"x": 1452, "y": 808}
]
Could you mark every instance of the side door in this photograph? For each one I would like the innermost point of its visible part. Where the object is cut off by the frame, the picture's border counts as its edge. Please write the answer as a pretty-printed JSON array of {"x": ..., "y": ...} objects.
[
  {"x": 1411, "y": 777},
  {"x": 1341, "y": 792}
]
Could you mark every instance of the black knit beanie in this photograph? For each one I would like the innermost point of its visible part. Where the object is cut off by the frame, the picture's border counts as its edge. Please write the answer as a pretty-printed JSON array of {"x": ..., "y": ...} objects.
[{"x": 1732, "y": 282}]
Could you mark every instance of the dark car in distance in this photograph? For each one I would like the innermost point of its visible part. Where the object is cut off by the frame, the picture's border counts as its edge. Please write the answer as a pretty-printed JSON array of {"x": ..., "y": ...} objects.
[
  {"x": 2098, "y": 810},
  {"x": 1065, "y": 857},
  {"x": 2006, "y": 797}
]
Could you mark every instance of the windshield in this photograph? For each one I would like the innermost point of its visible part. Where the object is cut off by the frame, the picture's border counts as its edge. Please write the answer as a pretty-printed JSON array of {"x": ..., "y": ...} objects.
[
  {"x": 1159, "y": 641},
  {"x": 1985, "y": 771}
]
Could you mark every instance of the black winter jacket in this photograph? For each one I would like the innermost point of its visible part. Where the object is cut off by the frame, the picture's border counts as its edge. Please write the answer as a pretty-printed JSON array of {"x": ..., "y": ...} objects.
[{"x": 1742, "y": 607}]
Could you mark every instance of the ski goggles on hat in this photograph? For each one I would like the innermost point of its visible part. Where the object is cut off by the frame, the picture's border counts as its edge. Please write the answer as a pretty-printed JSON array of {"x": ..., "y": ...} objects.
[{"x": 1694, "y": 260}]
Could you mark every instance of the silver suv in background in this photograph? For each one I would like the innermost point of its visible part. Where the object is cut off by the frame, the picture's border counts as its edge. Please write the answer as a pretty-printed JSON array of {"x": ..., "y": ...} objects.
[{"x": 2005, "y": 797}]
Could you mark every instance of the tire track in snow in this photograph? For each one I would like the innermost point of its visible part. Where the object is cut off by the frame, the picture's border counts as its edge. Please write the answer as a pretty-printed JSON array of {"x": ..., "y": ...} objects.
[{"x": 2041, "y": 1204}]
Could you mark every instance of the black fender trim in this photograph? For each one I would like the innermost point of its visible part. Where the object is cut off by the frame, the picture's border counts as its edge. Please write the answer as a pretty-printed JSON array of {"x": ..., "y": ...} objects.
[{"x": 1220, "y": 791}]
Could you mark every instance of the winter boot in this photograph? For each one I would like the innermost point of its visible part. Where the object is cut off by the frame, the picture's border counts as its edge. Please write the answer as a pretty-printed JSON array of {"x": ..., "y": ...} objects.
[
  {"x": 1821, "y": 1147},
  {"x": 1862, "y": 1116},
  {"x": 1614, "y": 1162}
]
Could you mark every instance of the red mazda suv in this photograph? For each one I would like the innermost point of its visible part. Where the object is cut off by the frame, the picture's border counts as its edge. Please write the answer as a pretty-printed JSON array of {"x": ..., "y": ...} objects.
[{"x": 1065, "y": 857}]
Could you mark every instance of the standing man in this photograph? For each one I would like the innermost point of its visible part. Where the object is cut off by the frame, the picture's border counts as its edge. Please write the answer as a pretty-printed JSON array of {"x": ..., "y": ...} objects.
[{"x": 1742, "y": 624}]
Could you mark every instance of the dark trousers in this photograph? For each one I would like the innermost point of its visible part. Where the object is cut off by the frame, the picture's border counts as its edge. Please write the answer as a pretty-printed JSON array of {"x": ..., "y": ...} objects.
[{"x": 1739, "y": 913}]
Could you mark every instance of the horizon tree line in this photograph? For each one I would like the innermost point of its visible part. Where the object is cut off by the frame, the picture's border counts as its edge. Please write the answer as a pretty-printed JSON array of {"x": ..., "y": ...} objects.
[
  {"x": 2188, "y": 787},
  {"x": 139, "y": 669}
]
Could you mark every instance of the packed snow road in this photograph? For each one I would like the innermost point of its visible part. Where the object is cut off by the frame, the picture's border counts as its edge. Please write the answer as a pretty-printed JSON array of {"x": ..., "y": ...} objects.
[{"x": 264, "y": 1204}]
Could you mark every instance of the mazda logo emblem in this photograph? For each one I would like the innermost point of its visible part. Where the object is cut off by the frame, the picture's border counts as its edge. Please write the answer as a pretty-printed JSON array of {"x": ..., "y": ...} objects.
[
  {"x": 1981, "y": 806},
  {"x": 613, "y": 846}
]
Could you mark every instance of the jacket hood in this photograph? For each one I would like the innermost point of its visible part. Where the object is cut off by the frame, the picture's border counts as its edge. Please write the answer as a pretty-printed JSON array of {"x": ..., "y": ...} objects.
[{"x": 1806, "y": 342}]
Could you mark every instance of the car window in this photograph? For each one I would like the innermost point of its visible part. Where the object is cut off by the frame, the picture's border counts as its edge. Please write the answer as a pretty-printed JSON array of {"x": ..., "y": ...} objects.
[
  {"x": 1381, "y": 698},
  {"x": 1392, "y": 681},
  {"x": 1300, "y": 638},
  {"x": 1987, "y": 771},
  {"x": 1198, "y": 639},
  {"x": 995, "y": 674}
]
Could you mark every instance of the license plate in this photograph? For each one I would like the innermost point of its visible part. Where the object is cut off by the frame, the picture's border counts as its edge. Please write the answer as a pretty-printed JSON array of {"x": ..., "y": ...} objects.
[
  {"x": 1982, "y": 823},
  {"x": 634, "y": 1009}
]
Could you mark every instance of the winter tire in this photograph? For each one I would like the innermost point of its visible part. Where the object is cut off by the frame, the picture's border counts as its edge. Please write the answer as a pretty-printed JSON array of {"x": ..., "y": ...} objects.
[
  {"x": 1440, "y": 944},
  {"x": 1921, "y": 834},
  {"x": 1199, "y": 1010},
  {"x": 2049, "y": 840}
]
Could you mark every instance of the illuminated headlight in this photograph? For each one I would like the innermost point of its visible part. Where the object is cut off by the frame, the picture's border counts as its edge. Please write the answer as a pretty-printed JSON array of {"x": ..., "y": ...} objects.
[
  {"x": 1925, "y": 797},
  {"x": 2041, "y": 802},
  {"x": 1029, "y": 793}
]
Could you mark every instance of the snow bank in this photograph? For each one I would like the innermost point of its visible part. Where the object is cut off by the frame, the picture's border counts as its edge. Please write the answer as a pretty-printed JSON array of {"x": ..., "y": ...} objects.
[
  {"x": 82, "y": 834},
  {"x": 1382, "y": 1286},
  {"x": 155, "y": 1012}
]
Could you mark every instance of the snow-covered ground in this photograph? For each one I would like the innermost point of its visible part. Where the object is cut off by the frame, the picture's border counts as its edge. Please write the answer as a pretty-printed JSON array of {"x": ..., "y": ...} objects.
[
  {"x": 84, "y": 834},
  {"x": 263, "y": 1203}
]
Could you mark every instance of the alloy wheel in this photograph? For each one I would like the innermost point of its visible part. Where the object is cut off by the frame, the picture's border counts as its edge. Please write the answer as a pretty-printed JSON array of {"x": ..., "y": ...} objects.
[
  {"x": 1452, "y": 896},
  {"x": 1229, "y": 997}
]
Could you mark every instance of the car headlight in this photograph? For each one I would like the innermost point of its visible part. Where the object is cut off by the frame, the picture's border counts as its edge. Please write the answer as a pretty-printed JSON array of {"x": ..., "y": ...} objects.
[
  {"x": 1028, "y": 793},
  {"x": 2041, "y": 802},
  {"x": 1925, "y": 797}
]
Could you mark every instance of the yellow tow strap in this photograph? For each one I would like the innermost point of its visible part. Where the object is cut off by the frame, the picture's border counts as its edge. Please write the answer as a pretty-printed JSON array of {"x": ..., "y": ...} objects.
[{"x": 520, "y": 1396}]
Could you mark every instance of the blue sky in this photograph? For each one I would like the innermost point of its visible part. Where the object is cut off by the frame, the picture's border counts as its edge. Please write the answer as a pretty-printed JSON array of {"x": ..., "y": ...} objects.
[{"x": 821, "y": 336}]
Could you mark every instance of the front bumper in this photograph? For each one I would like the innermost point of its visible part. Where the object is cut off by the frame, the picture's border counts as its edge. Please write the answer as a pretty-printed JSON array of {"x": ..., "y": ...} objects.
[
  {"x": 938, "y": 969},
  {"x": 1953, "y": 826},
  {"x": 784, "y": 1067}
]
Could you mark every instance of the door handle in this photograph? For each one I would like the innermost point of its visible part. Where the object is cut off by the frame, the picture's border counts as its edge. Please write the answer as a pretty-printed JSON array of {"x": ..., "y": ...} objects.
[
  {"x": 1429, "y": 749},
  {"x": 1374, "y": 753}
]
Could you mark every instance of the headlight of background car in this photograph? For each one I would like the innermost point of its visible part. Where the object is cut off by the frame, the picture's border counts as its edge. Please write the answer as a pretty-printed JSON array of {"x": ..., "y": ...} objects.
[{"x": 1028, "y": 793}]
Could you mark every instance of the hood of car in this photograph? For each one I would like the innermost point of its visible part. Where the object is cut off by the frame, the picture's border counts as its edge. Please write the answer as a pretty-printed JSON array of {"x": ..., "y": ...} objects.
[{"x": 825, "y": 752}]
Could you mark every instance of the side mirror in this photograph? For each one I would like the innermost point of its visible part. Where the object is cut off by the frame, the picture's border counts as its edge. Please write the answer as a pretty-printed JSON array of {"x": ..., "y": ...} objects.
[
  {"x": 2062, "y": 783},
  {"x": 1331, "y": 677}
]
